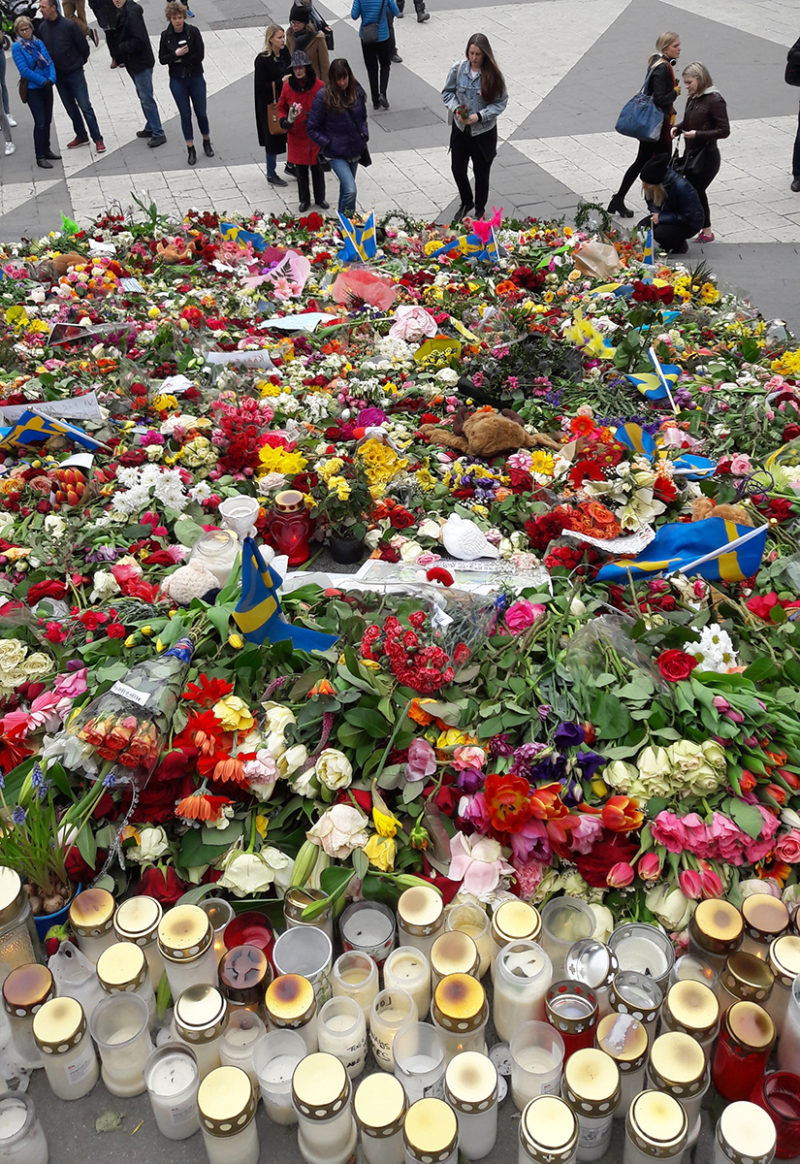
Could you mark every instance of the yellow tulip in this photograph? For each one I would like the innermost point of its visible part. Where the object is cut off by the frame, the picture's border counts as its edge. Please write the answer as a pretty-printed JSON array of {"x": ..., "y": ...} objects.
[{"x": 235, "y": 641}]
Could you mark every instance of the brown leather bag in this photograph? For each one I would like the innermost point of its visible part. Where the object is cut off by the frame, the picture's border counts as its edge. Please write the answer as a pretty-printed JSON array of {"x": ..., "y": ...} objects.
[
  {"x": 23, "y": 90},
  {"x": 273, "y": 121}
]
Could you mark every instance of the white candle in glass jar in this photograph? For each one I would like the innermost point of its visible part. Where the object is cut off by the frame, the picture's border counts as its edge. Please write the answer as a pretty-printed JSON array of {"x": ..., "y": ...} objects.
[
  {"x": 172, "y": 1080},
  {"x": 91, "y": 916},
  {"x": 391, "y": 1009},
  {"x": 368, "y": 926},
  {"x": 62, "y": 1035},
  {"x": 321, "y": 1093},
  {"x": 227, "y": 1101},
  {"x": 342, "y": 1031},
  {"x": 418, "y": 1051},
  {"x": 236, "y": 1047},
  {"x": 136, "y": 920},
  {"x": 274, "y": 1060},
  {"x": 474, "y": 921},
  {"x": 420, "y": 917},
  {"x": 523, "y": 973},
  {"x": 355, "y": 976},
  {"x": 408, "y": 969},
  {"x": 120, "y": 1027},
  {"x": 22, "y": 1140},
  {"x": 537, "y": 1057}
]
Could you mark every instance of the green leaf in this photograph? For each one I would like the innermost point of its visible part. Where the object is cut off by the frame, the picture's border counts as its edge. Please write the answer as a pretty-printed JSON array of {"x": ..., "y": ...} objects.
[
  {"x": 196, "y": 894},
  {"x": 219, "y": 616},
  {"x": 360, "y": 863},
  {"x": 747, "y": 817},
  {"x": 87, "y": 845},
  {"x": 187, "y": 532},
  {"x": 222, "y": 838},
  {"x": 335, "y": 879}
]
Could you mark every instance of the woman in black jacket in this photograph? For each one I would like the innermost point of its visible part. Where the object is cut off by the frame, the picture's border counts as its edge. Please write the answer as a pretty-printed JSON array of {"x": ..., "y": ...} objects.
[
  {"x": 705, "y": 122},
  {"x": 663, "y": 88},
  {"x": 675, "y": 210},
  {"x": 272, "y": 64},
  {"x": 183, "y": 50}
]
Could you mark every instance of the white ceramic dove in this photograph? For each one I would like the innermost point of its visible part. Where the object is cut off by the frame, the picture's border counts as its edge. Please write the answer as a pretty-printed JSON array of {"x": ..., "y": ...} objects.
[{"x": 463, "y": 539}]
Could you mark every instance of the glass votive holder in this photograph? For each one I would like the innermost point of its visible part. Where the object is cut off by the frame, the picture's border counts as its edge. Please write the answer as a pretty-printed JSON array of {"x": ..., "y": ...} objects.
[
  {"x": 645, "y": 949},
  {"x": 227, "y": 1101},
  {"x": 548, "y": 1132},
  {"x": 420, "y": 917},
  {"x": 637, "y": 994},
  {"x": 297, "y": 900},
  {"x": 407, "y": 968},
  {"x": 306, "y": 951},
  {"x": 274, "y": 1060},
  {"x": 236, "y": 1046},
  {"x": 453, "y": 952},
  {"x": 571, "y": 1008},
  {"x": 565, "y": 920},
  {"x": 391, "y": 1009},
  {"x": 368, "y": 927},
  {"x": 779, "y": 1095},
  {"x": 25, "y": 990},
  {"x": 136, "y": 920},
  {"x": 120, "y": 1026},
  {"x": 91, "y": 916},
  {"x": 471, "y": 1090},
  {"x": 690, "y": 968},
  {"x": 172, "y": 1080},
  {"x": 692, "y": 1007},
  {"x": 22, "y": 1140},
  {"x": 418, "y": 1053},
  {"x": 523, "y": 973},
  {"x": 290, "y": 1004},
  {"x": 677, "y": 1066},
  {"x": 460, "y": 1013},
  {"x": 219, "y": 912},
  {"x": 355, "y": 976},
  {"x": 744, "y": 1131},
  {"x": 473, "y": 920},
  {"x": 342, "y": 1031},
  {"x": 537, "y": 1060}
]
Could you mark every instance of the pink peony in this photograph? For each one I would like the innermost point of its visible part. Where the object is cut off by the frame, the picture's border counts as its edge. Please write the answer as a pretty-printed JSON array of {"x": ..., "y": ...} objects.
[
  {"x": 421, "y": 760},
  {"x": 528, "y": 877},
  {"x": 468, "y": 757},
  {"x": 477, "y": 863},
  {"x": 522, "y": 615}
]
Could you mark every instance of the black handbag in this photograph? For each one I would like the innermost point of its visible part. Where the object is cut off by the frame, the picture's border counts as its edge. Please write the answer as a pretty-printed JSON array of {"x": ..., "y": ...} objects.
[
  {"x": 690, "y": 164},
  {"x": 371, "y": 32},
  {"x": 366, "y": 157},
  {"x": 792, "y": 75}
]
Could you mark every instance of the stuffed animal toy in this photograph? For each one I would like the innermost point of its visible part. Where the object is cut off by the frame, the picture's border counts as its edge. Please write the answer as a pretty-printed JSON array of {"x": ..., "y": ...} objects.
[
  {"x": 188, "y": 582},
  {"x": 486, "y": 434},
  {"x": 50, "y": 270},
  {"x": 703, "y": 507}
]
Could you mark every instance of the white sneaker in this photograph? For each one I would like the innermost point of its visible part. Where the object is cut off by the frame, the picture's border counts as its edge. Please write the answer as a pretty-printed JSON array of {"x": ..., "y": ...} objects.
[
  {"x": 10, "y": 147},
  {"x": 12, "y": 121}
]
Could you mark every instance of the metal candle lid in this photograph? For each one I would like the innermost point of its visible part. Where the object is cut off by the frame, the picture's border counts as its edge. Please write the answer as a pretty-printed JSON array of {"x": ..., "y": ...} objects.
[
  {"x": 297, "y": 900},
  {"x": 92, "y": 913},
  {"x": 136, "y": 920},
  {"x": 784, "y": 959},
  {"x": 201, "y": 1014},
  {"x": 591, "y": 1083},
  {"x": 290, "y": 1001},
  {"x": 380, "y": 1105},
  {"x": 717, "y": 926},
  {"x": 636, "y": 994},
  {"x": 591, "y": 962},
  {"x": 749, "y": 1025},
  {"x": 459, "y": 1004},
  {"x": 549, "y": 1130},
  {"x": 645, "y": 948},
  {"x": 122, "y": 967},
  {"x": 320, "y": 1086},
  {"x": 747, "y": 977},
  {"x": 470, "y": 1082},
  {"x": 244, "y": 974},
  {"x": 746, "y": 1134},
  {"x": 421, "y": 910},
  {"x": 657, "y": 1125},
  {"x": 184, "y": 933},
  {"x": 624, "y": 1038},
  {"x": 570, "y": 1007},
  {"x": 765, "y": 917},
  {"x": 227, "y": 1101},
  {"x": 691, "y": 1007},
  {"x": 11, "y": 894},
  {"x": 677, "y": 1065},
  {"x": 59, "y": 1025},
  {"x": 26, "y": 989},
  {"x": 515, "y": 919},
  {"x": 454, "y": 952},
  {"x": 289, "y": 500},
  {"x": 430, "y": 1130}
]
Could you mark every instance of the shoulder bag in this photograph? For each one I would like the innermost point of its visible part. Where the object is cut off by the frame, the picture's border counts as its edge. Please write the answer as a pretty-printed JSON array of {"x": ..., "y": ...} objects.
[
  {"x": 23, "y": 90},
  {"x": 371, "y": 32},
  {"x": 640, "y": 117},
  {"x": 273, "y": 121}
]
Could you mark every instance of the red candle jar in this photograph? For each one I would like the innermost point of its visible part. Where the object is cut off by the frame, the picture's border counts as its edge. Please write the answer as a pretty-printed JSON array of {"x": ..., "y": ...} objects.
[
  {"x": 779, "y": 1095},
  {"x": 571, "y": 1007},
  {"x": 290, "y": 526},
  {"x": 743, "y": 1050}
]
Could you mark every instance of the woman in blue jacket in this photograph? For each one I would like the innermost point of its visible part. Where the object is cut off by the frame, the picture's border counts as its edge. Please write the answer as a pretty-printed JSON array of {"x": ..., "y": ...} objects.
[
  {"x": 35, "y": 66},
  {"x": 675, "y": 210},
  {"x": 337, "y": 123},
  {"x": 377, "y": 53},
  {"x": 475, "y": 94}
]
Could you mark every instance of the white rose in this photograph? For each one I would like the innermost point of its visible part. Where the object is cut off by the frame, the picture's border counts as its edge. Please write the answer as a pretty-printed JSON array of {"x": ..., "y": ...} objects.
[
  {"x": 247, "y": 874},
  {"x": 340, "y": 830},
  {"x": 619, "y": 775},
  {"x": 104, "y": 586},
  {"x": 334, "y": 770},
  {"x": 430, "y": 529},
  {"x": 410, "y": 551},
  {"x": 372, "y": 537},
  {"x": 6, "y": 520},
  {"x": 153, "y": 844},
  {"x": 37, "y": 665},
  {"x": 278, "y": 718},
  {"x": 12, "y": 653},
  {"x": 292, "y": 759},
  {"x": 604, "y": 922},
  {"x": 670, "y": 906}
]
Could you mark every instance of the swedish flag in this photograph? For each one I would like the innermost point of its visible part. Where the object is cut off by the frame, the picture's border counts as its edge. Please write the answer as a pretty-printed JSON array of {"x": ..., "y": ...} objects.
[
  {"x": 471, "y": 246},
  {"x": 651, "y": 385},
  {"x": 34, "y": 426},
  {"x": 716, "y": 549},
  {"x": 230, "y": 232},
  {"x": 694, "y": 468},
  {"x": 648, "y": 255},
  {"x": 258, "y": 613},
  {"x": 360, "y": 242},
  {"x": 635, "y": 437}
]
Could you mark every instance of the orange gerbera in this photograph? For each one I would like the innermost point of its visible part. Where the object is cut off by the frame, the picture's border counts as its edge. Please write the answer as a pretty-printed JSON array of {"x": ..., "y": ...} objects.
[
  {"x": 201, "y": 806},
  {"x": 581, "y": 426}
]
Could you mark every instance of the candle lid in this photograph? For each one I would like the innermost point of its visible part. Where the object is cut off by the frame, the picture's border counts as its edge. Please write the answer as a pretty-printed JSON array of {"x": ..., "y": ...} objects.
[
  {"x": 746, "y": 1134},
  {"x": 636, "y": 994},
  {"x": 750, "y": 1026},
  {"x": 657, "y": 1125},
  {"x": 380, "y": 1105},
  {"x": 136, "y": 920},
  {"x": 717, "y": 926},
  {"x": 91, "y": 913},
  {"x": 515, "y": 919},
  {"x": 420, "y": 909},
  {"x": 549, "y": 1130},
  {"x": 591, "y": 1083},
  {"x": 570, "y": 1007},
  {"x": 227, "y": 1101},
  {"x": 320, "y": 1086},
  {"x": 624, "y": 1038},
  {"x": 121, "y": 967},
  {"x": 200, "y": 1014},
  {"x": 11, "y": 894},
  {"x": 454, "y": 952},
  {"x": 459, "y": 1003},
  {"x": 290, "y": 1000},
  {"x": 784, "y": 958},
  {"x": 692, "y": 1007},
  {"x": 765, "y": 917},
  {"x": 184, "y": 932},
  {"x": 591, "y": 962},
  {"x": 165, "y": 1051},
  {"x": 747, "y": 977},
  {"x": 430, "y": 1130},
  {"x": 297, "y": 900},
  {"x": 26, "y": 989},
  {"x": 626, "y": 942},
  {"x": 289, "y": 500},
  {"x": 244, "y": 974},
  {"x": 470, "y": 1082},
  {"x": 677, "y": 1065},
  {"x": 59, "y": 1025}
]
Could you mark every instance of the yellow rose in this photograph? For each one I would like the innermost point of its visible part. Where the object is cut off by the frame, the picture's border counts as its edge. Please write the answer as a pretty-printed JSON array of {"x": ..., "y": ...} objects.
[
  {"x": 234, "y": 714},
  {"x": 386, "y": 823},
  {"x": 381, "y": 852}
]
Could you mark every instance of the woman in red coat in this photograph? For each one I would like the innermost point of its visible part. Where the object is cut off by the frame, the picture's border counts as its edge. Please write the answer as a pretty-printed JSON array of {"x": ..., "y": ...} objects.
[{"x": 294, "y": 106}]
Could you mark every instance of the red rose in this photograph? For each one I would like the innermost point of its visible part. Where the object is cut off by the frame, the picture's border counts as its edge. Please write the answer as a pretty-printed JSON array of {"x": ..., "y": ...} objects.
[
  {"x": 762, "y": 604},
  {"x": 362, "y": 798},
  {"x": 595, "y": 866},
  {"x": 46, "y": 590},
  {"x": 790, "y": 432},
  {"x": 675, "y": 665},
  {"x": 78, "y": 871},
  {"x": 401, "y": 518},
  {"x": 165, "y": 886}
]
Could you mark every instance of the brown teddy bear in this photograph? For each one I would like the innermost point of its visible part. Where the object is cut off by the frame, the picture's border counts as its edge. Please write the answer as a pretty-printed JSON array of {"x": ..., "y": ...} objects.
[
  {"x": 50, "y": 270},
  {"x": 485, "y": 434},
  {"x": 703, "y": 507}
]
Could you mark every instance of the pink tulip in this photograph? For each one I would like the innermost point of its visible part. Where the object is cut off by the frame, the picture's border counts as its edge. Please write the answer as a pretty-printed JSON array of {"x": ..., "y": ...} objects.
[
  {"x": 649, "y": 867},
  {"x": 712, "y": 883},
  {"x": 691, "y": 884},
  {"x": 620, "y": 875}
]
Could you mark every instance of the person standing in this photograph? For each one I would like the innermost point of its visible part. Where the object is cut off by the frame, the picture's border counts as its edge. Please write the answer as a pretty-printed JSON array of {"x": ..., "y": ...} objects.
[
  {"x": 705, "y": 122},
  {"x": 130, "y": 46},
  {"x": 663, "y": 87},
  {"x": 69, "y": 52},
  {"x": 318, "y": 22},
  {"x": 34, "y": 65},
  {"x": 297, "y": 98},
  {"x": 377, "y": 53},
  {"x": 419, "y": 5},
  {"x": 271, "y": 66},
  {"x": 338, "y": 125},
  {"x": 475, "y": 94},
  {"x": 793, "y": 78},
  {"x": 182, "y": 49},
  {"x": 674, "y": 205},
  {"x": 105, "y": 14},
  {"x": 6, "y": 108},
  {"x": 303, "y": 35}
]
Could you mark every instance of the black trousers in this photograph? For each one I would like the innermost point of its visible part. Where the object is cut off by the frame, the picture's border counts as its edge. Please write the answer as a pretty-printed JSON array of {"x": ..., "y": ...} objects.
[
  {"x": 646, "y": 151},
  {"x": 672, "y": 237},
  {"x": 701, "y": 181},
  {"x": 480, "y": 149},
  {"x": 317, "y": 179},
  {"x": 378, "y": 60}
]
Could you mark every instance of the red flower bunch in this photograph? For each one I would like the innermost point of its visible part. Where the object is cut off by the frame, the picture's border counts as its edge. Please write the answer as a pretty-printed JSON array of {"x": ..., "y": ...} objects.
[
  {"x": 647, "y": 293},
  {"x": 423, "y": 668},
  {"x": 240, "y": 433},
  {"x": 546, "y": 528},
  {"x": 676, "y": 665}
]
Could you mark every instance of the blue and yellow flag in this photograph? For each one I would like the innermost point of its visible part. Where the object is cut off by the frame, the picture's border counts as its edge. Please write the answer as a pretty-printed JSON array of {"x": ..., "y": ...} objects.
[
  {"x": 230, "y": 232},
  {"x": 650, "y": 384},
  {"x": 636, "y": 438},
  {"x": 648, "y": 255},
  {"x": 471, "y": 246},
  {"x": 258, "y": 613},
  {"x": 360, "y": 242},
  {"x": 32, "y": 427},
  {"x": 716, "y": 549},
  {"x": 694, "y": 468}
]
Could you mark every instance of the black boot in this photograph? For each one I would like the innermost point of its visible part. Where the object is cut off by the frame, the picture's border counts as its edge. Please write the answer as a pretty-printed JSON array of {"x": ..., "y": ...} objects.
[
  {"x": 302, "y": 189},
  {"x": 208, "y": 149},
  {"x": 318, "y": 184},
  {"x": 617, "y": 206},
  {"x": 422, "y": 15},
  {"x": 192, "y": 156}
]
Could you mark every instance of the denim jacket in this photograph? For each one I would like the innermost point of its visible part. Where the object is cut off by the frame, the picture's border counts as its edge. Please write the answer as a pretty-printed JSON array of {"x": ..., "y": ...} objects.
[{"x": 462, "y": 89}]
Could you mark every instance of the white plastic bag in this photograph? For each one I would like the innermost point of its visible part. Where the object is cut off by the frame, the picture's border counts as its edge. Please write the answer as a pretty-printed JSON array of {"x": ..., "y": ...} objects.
[{"x": 75, "y": 977}]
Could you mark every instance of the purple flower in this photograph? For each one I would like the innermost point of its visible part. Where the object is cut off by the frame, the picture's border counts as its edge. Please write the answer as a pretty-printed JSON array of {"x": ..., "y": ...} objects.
[
  {"x": 568, "y": 735},
  {"x": 18, "y": 815},
  {"x": 589, "y": 762},
  {"x": 368, "y": 417},
  {"x": 470, "y": 780},
  {"x": 524, "y": 757},
  {"x": 499, "y": 745},
  {"x": 110, "y": 780},
  {"x": 421, "y": 760},
  {"x": 531, "y": 843}
]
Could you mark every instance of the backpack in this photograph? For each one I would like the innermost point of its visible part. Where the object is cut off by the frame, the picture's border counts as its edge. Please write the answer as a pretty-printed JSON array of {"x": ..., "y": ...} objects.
[{"x": 792, "y": 76}]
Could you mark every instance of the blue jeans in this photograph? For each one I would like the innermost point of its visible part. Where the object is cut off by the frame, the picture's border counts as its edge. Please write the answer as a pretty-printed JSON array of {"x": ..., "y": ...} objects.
[
  {"x": 74, "y": 94},
  {"x": 3, "y": 86},
  {"x": 796, "y": 151},
  {"x": 346, "y": 173},
  {"x": 272, "y": 164},
  {"x": 40, "y": 103},
  {"x": 188, "y": 92},
  {"x": 144, "y": 91}
]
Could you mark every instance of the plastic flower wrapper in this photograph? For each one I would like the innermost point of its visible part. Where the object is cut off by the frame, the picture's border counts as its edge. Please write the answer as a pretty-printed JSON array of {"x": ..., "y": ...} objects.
[{"x": 129, "y": 723}]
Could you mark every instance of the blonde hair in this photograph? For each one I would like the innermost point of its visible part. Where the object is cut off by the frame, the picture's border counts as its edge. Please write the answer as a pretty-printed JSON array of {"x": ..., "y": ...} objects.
[
  {"x": 663, "y": 41},
  {"x": 22, "y": 22},
  {"x": 268, "y": 35},
  {"x": 659, "y": 194},
  {"x": 175, "y": 8},
  {"x": 701, "y": 74}
]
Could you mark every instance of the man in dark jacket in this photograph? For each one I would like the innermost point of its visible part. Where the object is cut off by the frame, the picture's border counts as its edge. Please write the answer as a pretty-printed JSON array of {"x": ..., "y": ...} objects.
[
  {"x": 793, "y": 78},
  {"x": 130, "y": 46},
  {"x": 69, "y": 51}
]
